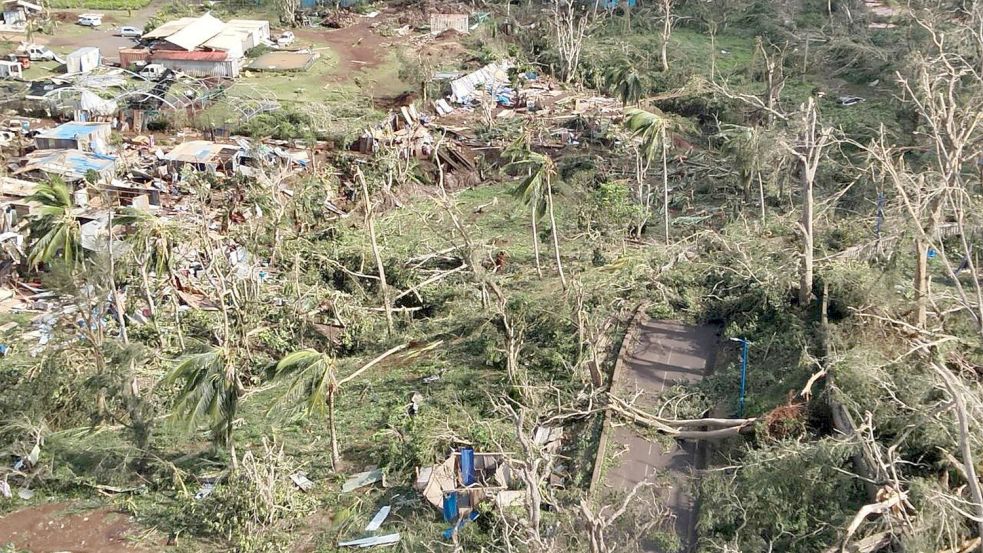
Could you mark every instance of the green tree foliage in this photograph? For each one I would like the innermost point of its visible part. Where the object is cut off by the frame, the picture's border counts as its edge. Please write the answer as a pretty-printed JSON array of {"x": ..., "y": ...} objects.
[
  {"x": 55, "y": 231},
  {"x": 209, "y": 393},
  {"x": 311, "y": 381}
]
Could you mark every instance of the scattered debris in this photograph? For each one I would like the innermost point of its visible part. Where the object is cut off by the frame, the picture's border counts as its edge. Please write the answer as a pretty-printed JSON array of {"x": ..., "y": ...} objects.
[
  {"x": 388, "y": 539},
  {"x": 302, "y": 482},
  {"x": 440, "y": 22},
  {"x": 378, "y": 519},
  {"x": 205, "y": 491},
  {"x": 25, "y": 494},
  {"x": 363, "y": 479},
  {"x": 847, "y": 101}
]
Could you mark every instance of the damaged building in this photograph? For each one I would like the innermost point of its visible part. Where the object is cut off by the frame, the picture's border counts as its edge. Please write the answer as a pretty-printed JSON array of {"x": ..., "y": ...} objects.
[{"x": 200, "y": 46}]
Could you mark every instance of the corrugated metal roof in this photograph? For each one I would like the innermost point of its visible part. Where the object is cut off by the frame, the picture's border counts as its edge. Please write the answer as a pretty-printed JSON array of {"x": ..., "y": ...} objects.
[
  {"x": 197, "y": 151},
  {"x": 197, "y": 32},
  {"x": 69, "y": 163},
  {"x": 177, "y": 55},
  {"x": 70, "y": 130},
  {"x": 169, "y": 28},
  {"x": 10, "y": 186},
  {"x": 229, "y": 40},
  {"x": 252, "y": 24}
]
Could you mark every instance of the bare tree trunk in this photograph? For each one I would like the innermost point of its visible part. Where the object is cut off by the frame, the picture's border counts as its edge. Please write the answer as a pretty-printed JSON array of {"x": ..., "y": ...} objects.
[
  {"x": 805, "y": 282},
  {"x": 335, "y": 455},
  {"x": 555, "y": 233},
  {"x": 535, "y": 242},
  {"x": 965, "y": 448},
  {"x": 921, "y": 282},
  {"x": 813, "y": 139},
  {"x": 370, "y": 224},
  {"x": 666, "y": 34},
  {"x": 117, "y": 302},
  {"x": 761, "y": 195}
]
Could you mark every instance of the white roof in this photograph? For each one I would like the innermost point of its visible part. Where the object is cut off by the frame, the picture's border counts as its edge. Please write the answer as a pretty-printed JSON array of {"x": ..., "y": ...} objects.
[
  {"x": 169, "y": 28},
  {"x": 197, "y": 32},
  {"x": 84, "y": 51},
  {"x": 229, "y": 40},
  {"x": 249, "y": 24}
]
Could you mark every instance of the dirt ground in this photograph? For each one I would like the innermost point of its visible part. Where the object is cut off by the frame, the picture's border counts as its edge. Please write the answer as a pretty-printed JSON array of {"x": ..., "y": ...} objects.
[
  {"x": 70, "y": 36},
  {"x": 57, "y": 527},
  {"x": 356, "y": 47}
]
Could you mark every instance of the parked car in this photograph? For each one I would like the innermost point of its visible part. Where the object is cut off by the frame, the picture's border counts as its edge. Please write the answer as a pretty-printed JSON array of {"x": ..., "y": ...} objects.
[
  {"x": 90, "y": 19},
  {"x": 130, "y": 32},
  {"x": 285, "y": 39},
  {"x": 36, "y": 52},
  {"x": 154, "y": 72}
]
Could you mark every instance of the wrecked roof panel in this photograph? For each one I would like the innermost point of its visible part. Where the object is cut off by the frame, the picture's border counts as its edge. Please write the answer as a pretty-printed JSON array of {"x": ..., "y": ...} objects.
[
  {"x": 68, "y": 163},
  {"x": 197, "y": 151},
  {"x": 194, "y": 34},
  {"x": 73, "y": 129},
  {"x": 169, "y": 28}
]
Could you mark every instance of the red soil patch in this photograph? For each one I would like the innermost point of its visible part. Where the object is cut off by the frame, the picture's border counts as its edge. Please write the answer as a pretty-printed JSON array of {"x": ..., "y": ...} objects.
[
  {"x": 357, "y": 47},
  {"x": 48, "y": 529}
]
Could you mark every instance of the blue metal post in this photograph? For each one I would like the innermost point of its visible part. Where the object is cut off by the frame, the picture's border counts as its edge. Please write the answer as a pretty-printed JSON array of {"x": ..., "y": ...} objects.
[{"x": 744, "y": 348}]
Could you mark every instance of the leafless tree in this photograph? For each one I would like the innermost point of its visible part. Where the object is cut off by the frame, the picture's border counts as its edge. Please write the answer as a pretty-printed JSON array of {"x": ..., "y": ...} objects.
[
  {"x": 668, "y": 21},
  {"x": 572, "y": 22},
  {"x": 370, "y": 226},
  {"x": 809, "y": 149}
]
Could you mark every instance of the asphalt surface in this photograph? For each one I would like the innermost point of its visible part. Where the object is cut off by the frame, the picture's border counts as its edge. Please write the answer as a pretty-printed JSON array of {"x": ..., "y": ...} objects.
[{"x": 664, "y": 353}]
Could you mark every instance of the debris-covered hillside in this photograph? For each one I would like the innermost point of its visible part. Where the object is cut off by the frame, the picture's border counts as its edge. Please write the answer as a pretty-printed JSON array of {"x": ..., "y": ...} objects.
[{"x": 557, "y": 275}]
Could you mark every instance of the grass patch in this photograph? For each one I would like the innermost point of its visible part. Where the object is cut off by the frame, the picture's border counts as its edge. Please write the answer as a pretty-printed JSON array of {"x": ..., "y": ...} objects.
[{"x": 99, "y": 4}]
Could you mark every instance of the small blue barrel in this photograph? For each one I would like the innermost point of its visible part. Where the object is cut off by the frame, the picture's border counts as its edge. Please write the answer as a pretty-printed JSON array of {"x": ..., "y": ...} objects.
[{"x": 467, "y": 465}]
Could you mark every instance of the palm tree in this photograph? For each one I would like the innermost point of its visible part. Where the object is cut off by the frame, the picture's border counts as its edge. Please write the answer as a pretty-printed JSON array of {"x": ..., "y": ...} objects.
[
  {"x": 751, "y": 152},
  {"x": 536, "y": 191},
  {"x": 653, "y": 127},
  {"x": 54, "y": 228},
  {"x": 210, "y": 392},
  {"x": 312, "y": 380},
  {"x": 153, "y": 240},
  {"x": 625, "y": 82}
]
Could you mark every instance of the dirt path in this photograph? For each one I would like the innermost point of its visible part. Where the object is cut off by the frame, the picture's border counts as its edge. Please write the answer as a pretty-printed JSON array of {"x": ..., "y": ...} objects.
[
  {"x": 661, "y": 354},
  {"x": 56, "y": 527}
]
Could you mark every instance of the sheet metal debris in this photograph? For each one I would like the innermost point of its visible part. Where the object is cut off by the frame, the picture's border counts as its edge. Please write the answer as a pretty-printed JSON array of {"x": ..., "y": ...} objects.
[
  {"x": 388, "y": 539},
  {"x": 363, "y": 479},
  {"x": 378, "y": 519},
  {"x": 301, "y": 481}
]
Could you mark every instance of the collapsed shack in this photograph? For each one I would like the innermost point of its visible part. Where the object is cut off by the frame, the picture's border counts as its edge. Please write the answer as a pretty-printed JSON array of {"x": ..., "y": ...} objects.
[
  {"x": 71, "y": 165},
  {"x": 203, "y": 155},
  {"x": 75, "y": 135},
  {"x": 411, "y": 135},
  {"x": 468, "y": 478}
]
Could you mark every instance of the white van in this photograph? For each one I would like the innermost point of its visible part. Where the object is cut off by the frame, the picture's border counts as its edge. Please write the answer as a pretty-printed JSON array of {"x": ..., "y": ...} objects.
[
  {"x": 90, "y": 19},
  {"x": 153, "y": 72}
]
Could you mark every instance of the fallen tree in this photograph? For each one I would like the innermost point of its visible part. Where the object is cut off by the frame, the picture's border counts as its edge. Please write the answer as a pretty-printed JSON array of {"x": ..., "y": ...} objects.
[{"x": 684, "y": 429}]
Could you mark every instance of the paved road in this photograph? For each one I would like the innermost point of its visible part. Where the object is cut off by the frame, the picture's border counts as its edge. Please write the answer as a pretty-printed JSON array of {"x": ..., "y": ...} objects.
[{"x": 664, "y": 353}]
